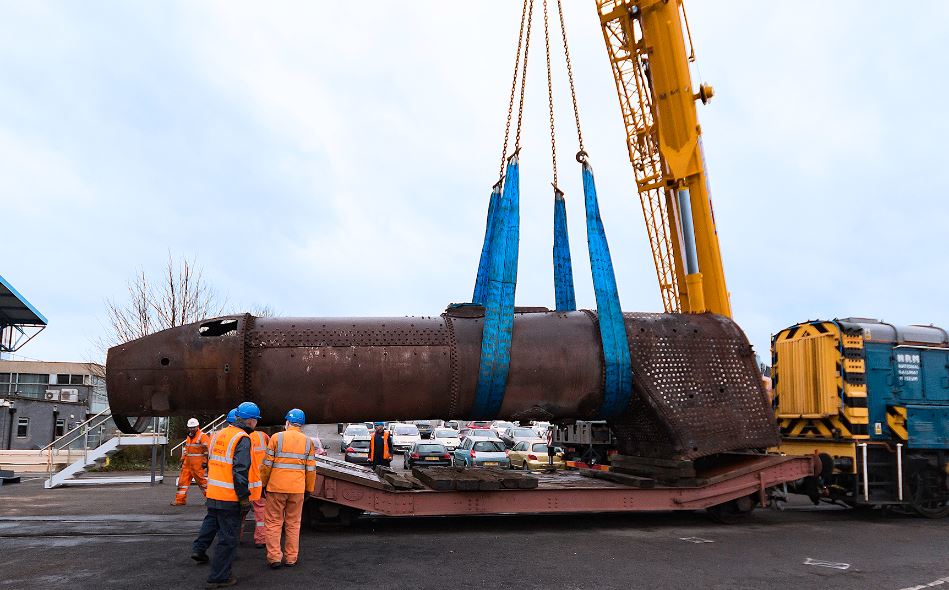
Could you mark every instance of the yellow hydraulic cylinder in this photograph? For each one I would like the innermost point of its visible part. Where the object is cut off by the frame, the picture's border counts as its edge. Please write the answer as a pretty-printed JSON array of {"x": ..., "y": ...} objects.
[{"x": 649, "y": 37}]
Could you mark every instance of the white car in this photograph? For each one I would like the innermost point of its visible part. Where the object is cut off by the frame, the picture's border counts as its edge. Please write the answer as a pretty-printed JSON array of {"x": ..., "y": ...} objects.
[
  {"x": 500, "y": 426},
  {"x": 354, "y": 430},
  {"x": 541, "y": 428},
  {"x": 404, "y": 436},
  {"x": 447, "y": 437}
]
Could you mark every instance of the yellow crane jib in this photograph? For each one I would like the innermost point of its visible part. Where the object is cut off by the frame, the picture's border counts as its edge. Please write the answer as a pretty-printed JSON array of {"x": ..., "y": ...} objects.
[{"x": 646, "y": 42}]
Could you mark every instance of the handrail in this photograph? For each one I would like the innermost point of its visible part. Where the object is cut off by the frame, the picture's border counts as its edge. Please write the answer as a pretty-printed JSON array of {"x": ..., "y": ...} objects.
[
  {"x": 77, "y": 428},
  {"x": 206, "y": 428}
]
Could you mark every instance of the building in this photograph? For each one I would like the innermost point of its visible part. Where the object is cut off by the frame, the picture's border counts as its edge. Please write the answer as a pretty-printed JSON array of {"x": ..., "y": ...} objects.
[{"x": 40, "y": 401}]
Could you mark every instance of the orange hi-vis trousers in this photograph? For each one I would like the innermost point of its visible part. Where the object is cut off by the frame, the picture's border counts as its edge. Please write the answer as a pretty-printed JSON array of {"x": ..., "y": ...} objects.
[
  {"x": 191, "y": 467},
  {"x": 283, "y": 513}
]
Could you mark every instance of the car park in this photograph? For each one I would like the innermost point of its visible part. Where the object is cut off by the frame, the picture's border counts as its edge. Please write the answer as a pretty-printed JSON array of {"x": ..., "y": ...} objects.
[
  {"x": 425, "y": 428},
  {"x": 354, "y": 430},
  {"x": 517, "y": 434},
  {"x": 427, "y": 453},
  {"x": 404, "y": 436},
  {"x": 480, "y": 452},
  {"x": 533, "y": 455},
  {"x": 448, "y": 437},
  {"x": 357, "y": 451}
]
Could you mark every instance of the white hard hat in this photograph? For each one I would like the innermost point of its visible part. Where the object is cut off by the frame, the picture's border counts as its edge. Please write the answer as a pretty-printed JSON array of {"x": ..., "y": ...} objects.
[{"x": 193, "y": 423}]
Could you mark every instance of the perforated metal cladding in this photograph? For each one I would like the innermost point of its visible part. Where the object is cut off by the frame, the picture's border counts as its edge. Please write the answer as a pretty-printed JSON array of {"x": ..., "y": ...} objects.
[
  {"x": 359, "y": 332},
  {"x": 697, "y": 389}
]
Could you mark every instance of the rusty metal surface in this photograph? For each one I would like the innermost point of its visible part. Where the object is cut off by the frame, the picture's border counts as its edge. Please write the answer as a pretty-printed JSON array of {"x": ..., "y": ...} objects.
[{"x": 696, "y": 387}]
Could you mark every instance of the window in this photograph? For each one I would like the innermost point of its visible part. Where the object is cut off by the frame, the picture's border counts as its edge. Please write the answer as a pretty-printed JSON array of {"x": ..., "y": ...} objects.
[
  {"x": 22, "y": 427},
  {"x": 62, "y": 379},
  {"x": 60, "y": 427},
  {"x": 75, "y": 380},
  {"x": 488, "y": 446},
  {"x": 519, "y": 446},
  {"x": 32, "y": 384}
]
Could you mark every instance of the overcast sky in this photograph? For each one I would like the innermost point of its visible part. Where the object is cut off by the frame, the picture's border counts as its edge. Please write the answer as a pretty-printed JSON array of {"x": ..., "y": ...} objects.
[{"x": 336, "y": 159}]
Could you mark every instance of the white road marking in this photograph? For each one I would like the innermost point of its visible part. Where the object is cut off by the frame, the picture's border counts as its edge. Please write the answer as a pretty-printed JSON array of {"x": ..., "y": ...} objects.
[
  {"x": 830, "y": 564},
  {"x": 932, "y": 584},
  {"x": 696, "y": 540}
]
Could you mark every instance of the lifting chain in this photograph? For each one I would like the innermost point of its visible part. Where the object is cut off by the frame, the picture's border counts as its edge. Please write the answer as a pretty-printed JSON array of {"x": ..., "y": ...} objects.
[
  {"x": 550, "y": 98},
  {"x": 520, "y": 104},
  {"x": 510, "y": 105},
  {"x": 582, "y": 154}
]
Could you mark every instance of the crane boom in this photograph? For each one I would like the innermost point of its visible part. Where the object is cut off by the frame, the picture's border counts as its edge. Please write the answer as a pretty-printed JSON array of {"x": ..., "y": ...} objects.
[{"x": 646, "y": 42}]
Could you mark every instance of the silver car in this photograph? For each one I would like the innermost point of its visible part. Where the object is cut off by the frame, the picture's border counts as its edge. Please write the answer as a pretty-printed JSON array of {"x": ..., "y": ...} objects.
[{"x": 481, "y": 452}]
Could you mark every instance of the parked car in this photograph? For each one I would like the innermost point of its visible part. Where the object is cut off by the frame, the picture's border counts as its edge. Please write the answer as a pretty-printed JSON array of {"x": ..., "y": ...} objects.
[
  {"x": 427, "y": 453},
  {"x": 517, "y": 434},
  {"x": 318, "y": 445},
  {"x": 357, "y": 451},
  {"x": 354, "y": 430},
  {"x": 541, "y": 429},
  {"x": 500, "y": 426},
  {"x": 480, "y": 452},
  {"x": 404, "y": 436},
  {"x": 476, "y": 433},
  {"x": 447, "y": 437},
  {"x": 479, "y": 424},
  {"x": 311, "y": 431},
  {"x": 533, "y": 455},
  {"x": 425, "y": 428}
]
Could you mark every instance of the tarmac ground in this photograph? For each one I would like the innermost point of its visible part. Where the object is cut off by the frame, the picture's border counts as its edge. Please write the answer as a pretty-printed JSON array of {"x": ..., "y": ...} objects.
[{"x": 129, "y": 537}]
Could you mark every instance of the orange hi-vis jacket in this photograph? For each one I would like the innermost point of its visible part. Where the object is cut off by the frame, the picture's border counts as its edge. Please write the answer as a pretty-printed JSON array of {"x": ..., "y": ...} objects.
[
  {"x": 258, "y": 447},
  {"x": 196, "y": 448},
  {"x": 385, "y": 446},
  {"x": 221, "y": 467},
  {"x": 290, "y": 464}
]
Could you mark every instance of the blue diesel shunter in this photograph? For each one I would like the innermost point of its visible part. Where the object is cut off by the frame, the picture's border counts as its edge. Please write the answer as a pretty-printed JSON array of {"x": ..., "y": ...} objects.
[{"x": 872, "y": 399}]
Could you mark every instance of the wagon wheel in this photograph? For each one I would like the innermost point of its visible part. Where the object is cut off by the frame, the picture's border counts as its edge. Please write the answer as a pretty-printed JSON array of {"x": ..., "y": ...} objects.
[
  {"x": 926, "y": 494},
  {"x": 733, "y": 511}
]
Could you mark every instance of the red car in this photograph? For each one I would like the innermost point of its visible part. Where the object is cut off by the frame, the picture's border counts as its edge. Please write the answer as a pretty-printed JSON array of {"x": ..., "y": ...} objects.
[{"x": 480, "y": 425}]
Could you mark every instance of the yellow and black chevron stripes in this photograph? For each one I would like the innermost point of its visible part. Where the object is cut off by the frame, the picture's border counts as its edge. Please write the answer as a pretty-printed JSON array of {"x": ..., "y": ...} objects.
[
  {"x": 896, "y": 420},
  {"x": 831, "y": 428}
]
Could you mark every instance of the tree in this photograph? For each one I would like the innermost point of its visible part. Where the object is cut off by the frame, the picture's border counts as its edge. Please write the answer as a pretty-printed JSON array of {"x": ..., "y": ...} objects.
[{"x": 181, "y": 296}]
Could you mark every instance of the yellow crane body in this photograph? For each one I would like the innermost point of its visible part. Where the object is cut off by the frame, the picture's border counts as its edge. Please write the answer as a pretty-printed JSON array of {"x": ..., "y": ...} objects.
[{"x": 646, "y": 42}]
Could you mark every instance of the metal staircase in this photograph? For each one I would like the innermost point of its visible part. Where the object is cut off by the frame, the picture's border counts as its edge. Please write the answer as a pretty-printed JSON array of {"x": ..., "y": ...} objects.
[{"x": 105, "y": 442}]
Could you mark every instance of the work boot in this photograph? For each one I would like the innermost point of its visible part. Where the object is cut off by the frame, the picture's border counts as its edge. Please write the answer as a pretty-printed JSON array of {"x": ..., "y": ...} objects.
[
  {"x": 176, "y": 503},
  {"x": 289, "y": 564},
  {"x": 274, "y": 565},
  {"x": 200, "y": 557},
  {"x": 226, "y": 583}
]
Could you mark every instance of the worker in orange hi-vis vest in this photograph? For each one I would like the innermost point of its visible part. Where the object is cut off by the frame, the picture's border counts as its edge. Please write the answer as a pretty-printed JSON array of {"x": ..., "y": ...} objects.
[
  {"x": 194, "y": 462},
  {"x": 258, "y": 451},
  {"x": 288, "y": 474}
]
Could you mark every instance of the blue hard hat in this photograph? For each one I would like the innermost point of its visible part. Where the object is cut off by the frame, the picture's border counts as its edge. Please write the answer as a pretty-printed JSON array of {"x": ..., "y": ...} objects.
[
  {"x": 231, "y": 416},
  {"x": 378, "y": 423},
  {"x": 296, "y": 416},
  {"x": 248, "y": 410}
]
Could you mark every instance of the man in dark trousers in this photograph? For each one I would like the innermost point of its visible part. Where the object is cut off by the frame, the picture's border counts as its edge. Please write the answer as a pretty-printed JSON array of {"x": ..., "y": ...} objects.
[
  {"x": 380, "y": 446},
  {"x": 233, "y": 482}
]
